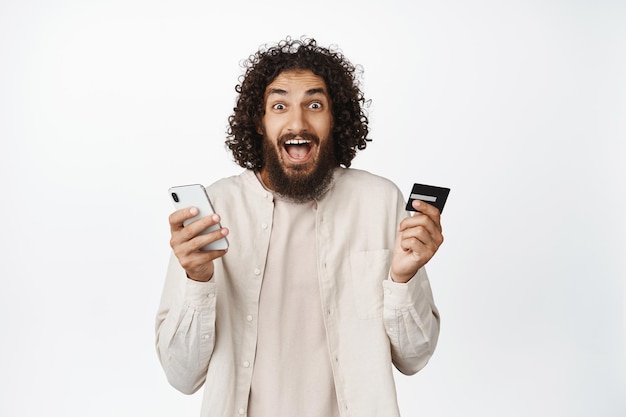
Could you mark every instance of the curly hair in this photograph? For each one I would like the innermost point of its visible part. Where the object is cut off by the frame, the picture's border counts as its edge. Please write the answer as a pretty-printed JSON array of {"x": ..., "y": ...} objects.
[{"x": 350, "y": 123}]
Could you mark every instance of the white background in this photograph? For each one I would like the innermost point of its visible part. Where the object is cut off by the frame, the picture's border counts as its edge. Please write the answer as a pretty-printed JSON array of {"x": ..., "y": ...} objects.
[{"x": 518, "y": 106}]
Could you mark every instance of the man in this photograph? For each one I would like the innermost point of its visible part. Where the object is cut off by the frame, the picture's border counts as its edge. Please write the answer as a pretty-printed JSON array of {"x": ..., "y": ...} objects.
[{"x": 323, "y": 286}]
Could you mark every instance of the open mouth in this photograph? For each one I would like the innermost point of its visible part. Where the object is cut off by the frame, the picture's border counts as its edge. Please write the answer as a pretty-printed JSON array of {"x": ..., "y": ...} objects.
[{"x": 298, "y": 150}]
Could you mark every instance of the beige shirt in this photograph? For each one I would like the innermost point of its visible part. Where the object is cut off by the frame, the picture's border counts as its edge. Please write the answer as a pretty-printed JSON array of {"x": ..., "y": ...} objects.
[
  {"x": 207, "y": 333},
  {"x": 291, "y": 343}
]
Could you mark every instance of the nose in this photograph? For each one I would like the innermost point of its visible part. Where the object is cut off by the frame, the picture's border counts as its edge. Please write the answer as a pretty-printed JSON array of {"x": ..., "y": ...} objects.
[{"x": 297, "y": 120}]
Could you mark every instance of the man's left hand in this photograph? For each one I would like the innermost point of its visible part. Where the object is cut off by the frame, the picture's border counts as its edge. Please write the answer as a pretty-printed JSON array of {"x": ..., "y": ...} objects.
[{"x": 419, "y": 237}]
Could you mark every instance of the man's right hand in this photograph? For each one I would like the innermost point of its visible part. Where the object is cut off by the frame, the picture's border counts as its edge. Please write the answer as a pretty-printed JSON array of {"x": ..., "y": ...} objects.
[{"x": 186, "y": 243}]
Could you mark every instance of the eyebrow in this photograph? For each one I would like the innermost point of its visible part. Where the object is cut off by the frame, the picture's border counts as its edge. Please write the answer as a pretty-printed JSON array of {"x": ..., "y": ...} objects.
[{"x": 309, "y": 92}]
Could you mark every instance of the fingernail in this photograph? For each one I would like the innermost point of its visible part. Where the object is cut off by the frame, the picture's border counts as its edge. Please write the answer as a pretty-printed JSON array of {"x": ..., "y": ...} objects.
[
  {"x": 215, "y": 218},
  {"x": 193, "y": 211}
]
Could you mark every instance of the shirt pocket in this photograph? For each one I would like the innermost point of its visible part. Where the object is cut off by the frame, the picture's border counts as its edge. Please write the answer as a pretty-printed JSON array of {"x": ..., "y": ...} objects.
[{"x": 368, "y": 269}]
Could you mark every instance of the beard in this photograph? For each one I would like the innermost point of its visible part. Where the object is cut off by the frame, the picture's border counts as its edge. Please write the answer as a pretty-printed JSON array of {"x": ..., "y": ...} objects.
[{"x": 300, "y": 183}]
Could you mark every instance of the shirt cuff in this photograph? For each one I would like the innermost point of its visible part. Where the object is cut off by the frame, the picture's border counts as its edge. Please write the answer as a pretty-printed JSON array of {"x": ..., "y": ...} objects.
[
  {"x": 404, "y": 294},
  {"x": 199, "y": 293}
]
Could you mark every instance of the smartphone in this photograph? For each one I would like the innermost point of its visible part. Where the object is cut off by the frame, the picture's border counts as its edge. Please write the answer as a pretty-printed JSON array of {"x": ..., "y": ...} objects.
[{"x": 195, "y": 195}]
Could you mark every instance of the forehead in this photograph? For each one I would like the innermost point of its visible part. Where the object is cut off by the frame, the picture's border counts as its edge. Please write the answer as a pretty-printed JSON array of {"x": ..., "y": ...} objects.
[{"x": 296, "y": 81}]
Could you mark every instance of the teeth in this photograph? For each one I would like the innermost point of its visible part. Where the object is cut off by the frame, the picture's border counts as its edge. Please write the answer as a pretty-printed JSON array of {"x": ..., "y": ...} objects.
[{"x": 297, "y": 142}]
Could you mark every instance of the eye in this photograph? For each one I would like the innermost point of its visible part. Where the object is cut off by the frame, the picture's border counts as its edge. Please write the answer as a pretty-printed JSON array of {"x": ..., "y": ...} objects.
[
  {"x": 315, "y": 105},
  {"x": 278, "y": 106}
]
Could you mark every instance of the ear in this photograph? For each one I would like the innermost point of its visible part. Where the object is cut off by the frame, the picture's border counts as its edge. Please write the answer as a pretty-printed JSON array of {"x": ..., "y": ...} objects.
[{"x": 260, "y": 130}]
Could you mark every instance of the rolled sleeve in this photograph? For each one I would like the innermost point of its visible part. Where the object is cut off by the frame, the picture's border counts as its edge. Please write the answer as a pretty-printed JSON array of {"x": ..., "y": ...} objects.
[
  {"x": 411, "y": 321},
  {"x": 186, "y": 329}
]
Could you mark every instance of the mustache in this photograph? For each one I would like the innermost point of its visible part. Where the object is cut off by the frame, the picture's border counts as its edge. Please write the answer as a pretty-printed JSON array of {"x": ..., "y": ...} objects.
[{"x": 304, "y": 135}]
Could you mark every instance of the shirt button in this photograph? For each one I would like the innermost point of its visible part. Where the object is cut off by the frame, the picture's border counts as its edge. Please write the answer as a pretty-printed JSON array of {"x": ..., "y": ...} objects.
[
  {"x": 249, "y": 317},
  {"x": 257, "y": 271},
  {"x": 206, "y": 336},
  {"x": 387, "y": 291},
  {"x": 246, "y": 364},
  {"x": 211, "y": 295},
  {"x": 242, "y": 411},
  {"x": 391, "y": 330},
  {"x": 263, "y": 226}
]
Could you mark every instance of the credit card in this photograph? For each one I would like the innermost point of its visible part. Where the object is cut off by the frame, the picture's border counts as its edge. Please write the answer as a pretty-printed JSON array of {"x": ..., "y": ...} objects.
[{"x": 430, "y": 194}]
